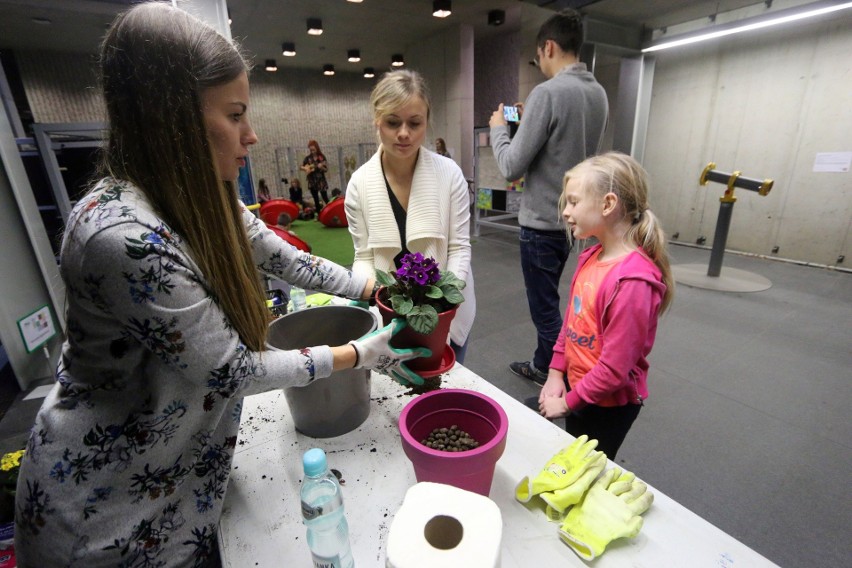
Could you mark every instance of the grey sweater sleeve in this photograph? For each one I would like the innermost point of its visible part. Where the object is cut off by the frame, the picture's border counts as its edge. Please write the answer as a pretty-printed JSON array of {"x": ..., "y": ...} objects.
[{"x": 514, "y": 156}]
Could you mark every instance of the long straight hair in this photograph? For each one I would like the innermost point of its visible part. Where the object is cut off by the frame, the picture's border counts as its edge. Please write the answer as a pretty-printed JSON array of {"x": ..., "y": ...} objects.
[
  {"x": 614, "y": 172},
  {"x": 155, "y": 63}
]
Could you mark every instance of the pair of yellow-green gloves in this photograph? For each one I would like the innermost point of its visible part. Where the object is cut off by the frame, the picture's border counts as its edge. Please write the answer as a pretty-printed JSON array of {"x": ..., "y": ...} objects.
[{"x": 601, "y": 511}]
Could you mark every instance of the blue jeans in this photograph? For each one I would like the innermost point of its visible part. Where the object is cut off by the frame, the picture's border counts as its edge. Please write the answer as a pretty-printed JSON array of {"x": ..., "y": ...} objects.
[{"x": 543, "y": 257}]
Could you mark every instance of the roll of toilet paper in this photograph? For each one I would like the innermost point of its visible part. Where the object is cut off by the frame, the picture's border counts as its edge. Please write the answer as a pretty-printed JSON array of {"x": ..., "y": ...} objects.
[{"x": 441, "y": 525}]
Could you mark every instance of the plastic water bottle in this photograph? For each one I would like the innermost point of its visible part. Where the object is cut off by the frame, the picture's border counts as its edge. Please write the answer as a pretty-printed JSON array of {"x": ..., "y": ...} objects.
[
  {"x": 322, "y": 513},
  {"x": 297, "y": 298}
]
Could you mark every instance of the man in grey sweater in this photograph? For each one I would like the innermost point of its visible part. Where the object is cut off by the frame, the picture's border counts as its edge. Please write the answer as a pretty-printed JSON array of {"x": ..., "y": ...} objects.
[{"x": 562, "y": 124}]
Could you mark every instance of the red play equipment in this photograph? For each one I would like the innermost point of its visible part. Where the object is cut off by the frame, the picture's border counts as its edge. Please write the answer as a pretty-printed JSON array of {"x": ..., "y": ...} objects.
[
  {"x": 270, "y": 210},
  {"x": 333, "y": 215},
  {"x": 292, "y": 239}
]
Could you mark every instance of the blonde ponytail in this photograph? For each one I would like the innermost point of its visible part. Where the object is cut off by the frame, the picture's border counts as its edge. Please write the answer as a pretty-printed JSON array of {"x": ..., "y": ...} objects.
[{"x": 647, "y": 232}]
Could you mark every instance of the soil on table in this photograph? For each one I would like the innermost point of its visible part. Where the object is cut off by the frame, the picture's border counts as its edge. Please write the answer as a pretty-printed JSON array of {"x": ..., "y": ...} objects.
[{"x": 429, "y": 385}]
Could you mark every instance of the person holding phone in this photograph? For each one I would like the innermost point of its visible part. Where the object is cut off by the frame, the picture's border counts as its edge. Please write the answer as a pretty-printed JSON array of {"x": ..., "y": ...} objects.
[{"x": 563, "y": 124}]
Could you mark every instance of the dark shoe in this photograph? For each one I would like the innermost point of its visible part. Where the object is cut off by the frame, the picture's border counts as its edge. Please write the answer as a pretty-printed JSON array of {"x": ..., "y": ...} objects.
[{"x": 526, "y": 370}]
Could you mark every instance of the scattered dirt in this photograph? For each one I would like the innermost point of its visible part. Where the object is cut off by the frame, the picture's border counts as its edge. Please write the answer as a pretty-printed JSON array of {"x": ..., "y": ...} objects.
[{"x": 429, "y": 385}]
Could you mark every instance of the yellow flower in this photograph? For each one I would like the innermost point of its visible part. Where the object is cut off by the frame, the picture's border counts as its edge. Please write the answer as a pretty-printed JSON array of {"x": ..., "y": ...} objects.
[{"x": 11, "y": 460}]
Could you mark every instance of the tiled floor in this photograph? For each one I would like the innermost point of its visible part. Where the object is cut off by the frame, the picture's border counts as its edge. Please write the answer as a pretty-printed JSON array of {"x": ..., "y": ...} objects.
[{"x": 747, "y": 421}]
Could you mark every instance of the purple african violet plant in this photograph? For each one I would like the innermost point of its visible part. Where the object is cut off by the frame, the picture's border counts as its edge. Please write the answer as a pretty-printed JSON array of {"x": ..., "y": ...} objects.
[{"x": 419, "y": 291}]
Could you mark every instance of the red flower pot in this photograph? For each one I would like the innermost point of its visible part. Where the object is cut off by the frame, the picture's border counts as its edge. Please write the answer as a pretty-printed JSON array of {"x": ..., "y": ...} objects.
[{"x": 407, "y": 338}]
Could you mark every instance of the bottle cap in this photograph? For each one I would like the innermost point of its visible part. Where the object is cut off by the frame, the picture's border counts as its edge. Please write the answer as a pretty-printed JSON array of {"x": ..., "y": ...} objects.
[{"x": 314, "y": 462}]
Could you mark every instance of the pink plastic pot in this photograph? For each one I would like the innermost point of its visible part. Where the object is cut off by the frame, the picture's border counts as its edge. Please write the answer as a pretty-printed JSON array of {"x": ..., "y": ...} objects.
[{"x": 472, "y": 412}]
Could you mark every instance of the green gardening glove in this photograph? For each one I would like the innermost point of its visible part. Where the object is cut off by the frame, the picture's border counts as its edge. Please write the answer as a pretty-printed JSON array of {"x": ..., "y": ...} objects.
[
  {"x": 375, "y": 352},
  {"x": 360, "y": 304},
  {"x": 609, "y": 511},
  {"x": 563, "y": 470}
]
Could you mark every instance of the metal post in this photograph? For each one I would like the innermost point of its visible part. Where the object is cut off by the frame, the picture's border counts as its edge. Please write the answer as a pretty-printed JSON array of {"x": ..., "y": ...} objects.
[{"x": 723, "y": 224}]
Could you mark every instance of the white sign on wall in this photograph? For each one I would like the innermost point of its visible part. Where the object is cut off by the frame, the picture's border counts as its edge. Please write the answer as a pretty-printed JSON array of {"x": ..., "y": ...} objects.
[
  {"x": 832, "y": 161},
  {"x": 36, "y": 328}
]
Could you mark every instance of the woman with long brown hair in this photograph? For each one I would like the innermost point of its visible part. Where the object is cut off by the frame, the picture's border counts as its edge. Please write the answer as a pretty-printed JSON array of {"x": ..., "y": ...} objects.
[
  {"x": 315, "y": 165},
  {"x": 130, "y": 455}
]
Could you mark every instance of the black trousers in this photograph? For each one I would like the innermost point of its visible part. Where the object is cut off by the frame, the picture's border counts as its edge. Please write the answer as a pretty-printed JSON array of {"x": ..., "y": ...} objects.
[
  {"x": 316, "y": 195},
  {"x": 606, "y": 424}
]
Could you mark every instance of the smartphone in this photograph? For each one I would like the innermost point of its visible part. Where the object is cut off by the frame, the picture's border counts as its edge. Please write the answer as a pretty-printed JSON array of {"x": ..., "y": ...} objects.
[{"x": 510, "y": 113}]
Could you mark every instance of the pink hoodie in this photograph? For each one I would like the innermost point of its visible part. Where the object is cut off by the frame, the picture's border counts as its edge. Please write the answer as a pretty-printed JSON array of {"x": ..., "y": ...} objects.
[{"x": 628, "y": 306}]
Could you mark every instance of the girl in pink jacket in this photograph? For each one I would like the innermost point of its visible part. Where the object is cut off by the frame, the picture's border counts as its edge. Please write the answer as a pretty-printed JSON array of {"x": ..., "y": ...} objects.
[{"x": 598, "y": 375}]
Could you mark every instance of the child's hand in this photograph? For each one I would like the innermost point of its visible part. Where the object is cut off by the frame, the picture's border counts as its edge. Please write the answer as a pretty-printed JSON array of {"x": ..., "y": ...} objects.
[
  {"x": 555, "y": 386},
  {"x": 553, "y": 407}
]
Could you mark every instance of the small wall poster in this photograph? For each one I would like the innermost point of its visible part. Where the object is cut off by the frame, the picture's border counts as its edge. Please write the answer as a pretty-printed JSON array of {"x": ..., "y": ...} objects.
[
  {"x": 36, "y": 328},
  {"x": 832, "y": 162}
]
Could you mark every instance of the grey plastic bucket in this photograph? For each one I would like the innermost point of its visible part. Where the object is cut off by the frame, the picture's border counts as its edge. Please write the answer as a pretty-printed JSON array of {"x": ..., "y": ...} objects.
[{"x": 339, "y": 403}]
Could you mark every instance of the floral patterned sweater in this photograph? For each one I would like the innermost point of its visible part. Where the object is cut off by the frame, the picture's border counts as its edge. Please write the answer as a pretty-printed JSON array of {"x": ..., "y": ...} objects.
[{"x": 128, "y": 460}]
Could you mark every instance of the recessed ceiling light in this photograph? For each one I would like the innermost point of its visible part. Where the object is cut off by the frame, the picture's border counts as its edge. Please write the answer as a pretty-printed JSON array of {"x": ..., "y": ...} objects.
[
  {"x": 271, "y": 65},
  {"x": 369, "y": 72},
  {"x": 397, "y": 60},
  {"x": 442, "y": 8},
  {"x": 353, "y": 55},
  {"x": 328, "y": 70},
  {"x": 314, "y": 26},
  {"x": 288, "y": 49}
]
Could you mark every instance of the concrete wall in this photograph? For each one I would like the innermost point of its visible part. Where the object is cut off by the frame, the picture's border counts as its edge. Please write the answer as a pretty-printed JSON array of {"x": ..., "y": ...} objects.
[
  {"x": 495, "y": 74},
  {"x": 288, "y": 107},
  {"x": 765, "y": 104},
  {"x": 446, "y": 62}
]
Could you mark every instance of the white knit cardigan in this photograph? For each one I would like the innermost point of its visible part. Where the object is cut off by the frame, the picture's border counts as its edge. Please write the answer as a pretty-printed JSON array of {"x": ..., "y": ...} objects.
[{"x": 437, "y": 224}]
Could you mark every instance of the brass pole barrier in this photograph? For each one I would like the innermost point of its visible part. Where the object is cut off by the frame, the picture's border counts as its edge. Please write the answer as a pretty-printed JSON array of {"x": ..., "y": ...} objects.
[{"x": 726, "y": 207}]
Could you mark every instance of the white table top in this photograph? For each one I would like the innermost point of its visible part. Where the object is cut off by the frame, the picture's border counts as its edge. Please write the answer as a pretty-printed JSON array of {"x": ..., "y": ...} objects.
[{"x": 261, "y": 523}]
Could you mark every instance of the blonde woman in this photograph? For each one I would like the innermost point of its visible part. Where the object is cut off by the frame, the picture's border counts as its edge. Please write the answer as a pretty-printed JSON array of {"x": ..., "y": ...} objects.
[{"x": 409, "y": 199}]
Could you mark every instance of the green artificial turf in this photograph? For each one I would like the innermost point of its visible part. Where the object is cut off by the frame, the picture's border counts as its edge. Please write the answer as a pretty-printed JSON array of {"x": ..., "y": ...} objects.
[{"x": 335, "y": 244}]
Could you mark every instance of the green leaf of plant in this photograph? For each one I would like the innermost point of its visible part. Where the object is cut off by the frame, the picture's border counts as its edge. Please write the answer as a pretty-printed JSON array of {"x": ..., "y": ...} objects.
[
  {"x": 450, "y": 279},
  {"x": 384, "y": 278},
  {"x": 434, "y": 292},
  {"x": 452, "y": 294},
  {"x": 401, "y": 305},
  {"x": 423, "y": 319}
]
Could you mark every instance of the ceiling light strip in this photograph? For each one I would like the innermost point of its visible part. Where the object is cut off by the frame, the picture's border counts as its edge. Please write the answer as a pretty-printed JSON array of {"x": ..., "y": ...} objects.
[{"x": 780, "y": 19}]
